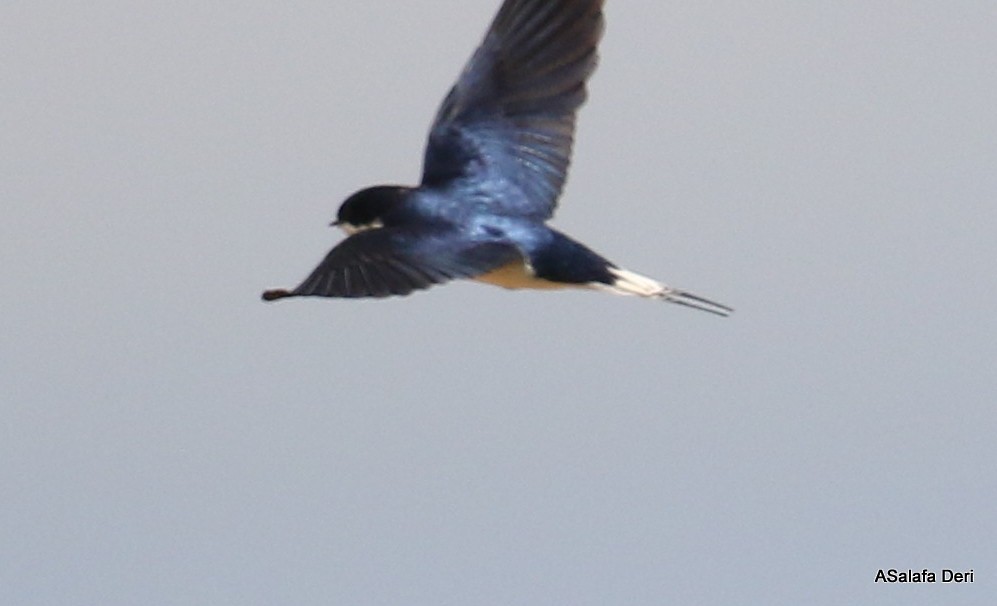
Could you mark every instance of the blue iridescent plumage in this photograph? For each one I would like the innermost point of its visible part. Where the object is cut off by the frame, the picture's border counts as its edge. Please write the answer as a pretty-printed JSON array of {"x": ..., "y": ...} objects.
[{"x": 495, "y": 163}]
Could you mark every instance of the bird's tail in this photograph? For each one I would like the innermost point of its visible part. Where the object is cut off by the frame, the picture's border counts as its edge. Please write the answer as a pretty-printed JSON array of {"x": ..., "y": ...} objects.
[{"x": 630, "y": 283}]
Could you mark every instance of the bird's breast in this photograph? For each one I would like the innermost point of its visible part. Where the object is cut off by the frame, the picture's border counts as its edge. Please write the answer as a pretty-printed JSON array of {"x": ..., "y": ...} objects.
[{"x": 518, "y": 275}]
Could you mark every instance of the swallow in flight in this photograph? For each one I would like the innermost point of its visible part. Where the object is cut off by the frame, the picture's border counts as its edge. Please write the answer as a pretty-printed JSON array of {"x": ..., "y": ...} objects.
[{"x": 494, "y": 166}]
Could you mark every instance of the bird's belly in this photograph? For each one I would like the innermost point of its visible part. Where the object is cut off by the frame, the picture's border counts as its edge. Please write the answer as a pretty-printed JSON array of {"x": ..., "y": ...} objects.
[{"x": 519, "y": 275}]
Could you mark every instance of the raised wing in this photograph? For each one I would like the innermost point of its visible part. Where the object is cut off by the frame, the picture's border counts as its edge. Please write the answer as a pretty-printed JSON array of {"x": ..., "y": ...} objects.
[
  {"x": 396, "y": 261},
  {"x": 509, "y": 121}
]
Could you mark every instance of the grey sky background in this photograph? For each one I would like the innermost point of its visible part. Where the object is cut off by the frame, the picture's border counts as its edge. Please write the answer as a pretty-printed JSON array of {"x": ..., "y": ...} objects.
[{"x": 828, "y": 169}]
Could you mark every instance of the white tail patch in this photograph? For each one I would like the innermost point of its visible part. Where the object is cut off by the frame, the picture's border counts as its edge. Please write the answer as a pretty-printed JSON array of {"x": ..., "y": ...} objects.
[{"x": 630, "y": 283}]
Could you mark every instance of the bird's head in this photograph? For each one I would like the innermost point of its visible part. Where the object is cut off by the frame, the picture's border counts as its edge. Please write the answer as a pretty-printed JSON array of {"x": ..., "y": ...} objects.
[{"x": 367, "y": 208}]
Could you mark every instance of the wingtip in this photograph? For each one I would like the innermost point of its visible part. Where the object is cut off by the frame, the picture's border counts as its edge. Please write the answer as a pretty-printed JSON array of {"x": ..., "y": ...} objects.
[{"x": 275, "y": 294}]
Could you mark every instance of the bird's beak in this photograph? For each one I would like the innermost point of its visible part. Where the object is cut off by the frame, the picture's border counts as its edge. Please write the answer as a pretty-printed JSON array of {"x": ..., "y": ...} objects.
[{"x": 335, "y": 223}]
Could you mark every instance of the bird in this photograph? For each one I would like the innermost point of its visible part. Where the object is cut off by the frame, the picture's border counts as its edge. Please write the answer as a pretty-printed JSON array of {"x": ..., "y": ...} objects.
[{"x": 494, "y": 166}]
